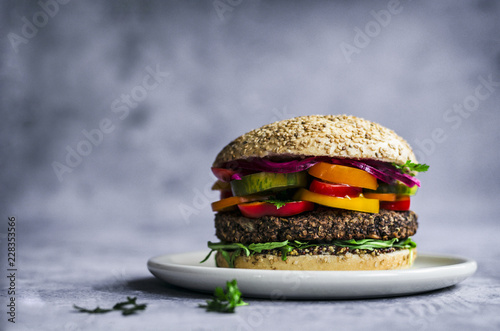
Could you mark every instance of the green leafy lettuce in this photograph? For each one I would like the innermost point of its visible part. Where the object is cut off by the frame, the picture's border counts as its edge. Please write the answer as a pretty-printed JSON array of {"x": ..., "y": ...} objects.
[{"x": 230, "y": 251}]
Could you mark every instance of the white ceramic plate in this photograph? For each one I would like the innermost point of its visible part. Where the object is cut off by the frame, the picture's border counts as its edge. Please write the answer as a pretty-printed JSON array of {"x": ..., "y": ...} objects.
[{"x": 429, "y": 272}]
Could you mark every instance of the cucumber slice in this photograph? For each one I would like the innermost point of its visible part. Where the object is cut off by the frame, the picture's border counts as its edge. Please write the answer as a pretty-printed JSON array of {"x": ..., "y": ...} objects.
[
  {"x": 398, "y": 188},
  {"x": 268, "y": 182}
]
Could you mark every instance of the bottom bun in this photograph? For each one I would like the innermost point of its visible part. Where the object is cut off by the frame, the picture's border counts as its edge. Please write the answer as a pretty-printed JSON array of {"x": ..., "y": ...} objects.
[{"x": 400, "y": 259}]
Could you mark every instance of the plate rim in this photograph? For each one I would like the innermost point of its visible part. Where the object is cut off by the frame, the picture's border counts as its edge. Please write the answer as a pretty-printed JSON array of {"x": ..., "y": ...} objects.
[
  {"x": 427, "y": 278},
  {"x": 464, "y": 261}
]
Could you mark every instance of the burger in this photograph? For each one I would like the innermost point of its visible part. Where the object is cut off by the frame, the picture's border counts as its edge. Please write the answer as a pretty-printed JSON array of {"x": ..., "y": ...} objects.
[{"x": 318, "y": 192}]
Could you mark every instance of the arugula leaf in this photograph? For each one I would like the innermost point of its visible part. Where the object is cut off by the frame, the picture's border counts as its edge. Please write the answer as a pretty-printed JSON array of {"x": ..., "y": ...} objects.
[
  {"x": 368, "y": 244},
  {"x": 232, "y": 250},
  {"x": 128, "y": 307},
  {"x": 235, "y": 248},
  {"x": 230, "y": 257},
  {"x": 283, "y": 246},
  {"x": 409, "y": 167},
  {"x": 408, "y": 243},
  {"x": 215, "y": 246},
  {"x": 371, "y": 244},
  {"x": 259, "y": 247},
  {"x": 225, "y": 302},
  {"x": 302, "y": 245}
]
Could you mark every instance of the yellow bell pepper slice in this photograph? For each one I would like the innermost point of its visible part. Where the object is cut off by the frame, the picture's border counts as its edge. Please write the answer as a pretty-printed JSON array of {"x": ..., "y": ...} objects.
[
  {"x": 357, "y": 204},
  {"x": 340, "y": 174}
]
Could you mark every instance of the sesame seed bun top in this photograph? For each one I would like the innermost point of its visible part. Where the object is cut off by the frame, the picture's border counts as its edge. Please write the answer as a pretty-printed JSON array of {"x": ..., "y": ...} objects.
[{"x": 338, "y": 136}]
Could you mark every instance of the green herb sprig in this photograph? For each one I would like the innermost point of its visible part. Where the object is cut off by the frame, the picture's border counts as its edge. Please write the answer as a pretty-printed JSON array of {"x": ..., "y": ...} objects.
[
  {"x": 410, "y": 168},
  {"x": 225, "y": 302},
  {"x": 278, "y": 203},
  {"x": 128, "y": 307},
  {"x": 97, "y": 310}
]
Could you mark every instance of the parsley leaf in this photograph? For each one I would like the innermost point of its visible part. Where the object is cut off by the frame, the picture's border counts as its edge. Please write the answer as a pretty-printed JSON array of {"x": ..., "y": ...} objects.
[
  {"x": 225, "y": 302},
  {"x": 409, "y": 167},
  {"x": 277, "y": 203},
  {"x": 128, "y": 307},
  {"x": 97, "y": 310}
]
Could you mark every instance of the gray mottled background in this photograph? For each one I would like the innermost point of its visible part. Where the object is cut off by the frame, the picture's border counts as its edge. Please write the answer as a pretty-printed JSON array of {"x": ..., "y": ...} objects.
[{"x": 223, "y": 69}]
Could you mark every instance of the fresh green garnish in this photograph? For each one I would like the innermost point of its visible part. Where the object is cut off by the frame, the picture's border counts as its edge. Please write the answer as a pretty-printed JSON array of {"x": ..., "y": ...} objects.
[
  {"x": 225, "y": 302},
  {"x": 259, "y": 247},
  {"x": 231, "y": 251},
  {"x": 370, "y": 244},
  {"x": 97, "y": 310},
  {"x": 223, "y": 248},
  {"x": 281, "y": 198},
  {"x": 128, "y": 307},
  {"x": 409, "y": 167},
  {"x": 278, "y": 203}
]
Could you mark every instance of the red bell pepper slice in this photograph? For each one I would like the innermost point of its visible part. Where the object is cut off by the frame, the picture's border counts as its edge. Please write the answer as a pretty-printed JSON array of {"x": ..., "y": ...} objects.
[
  {"x": 402, "y": 203},
  {"x": 335, "y": 190},
  {"x": 262, "y": 208}
]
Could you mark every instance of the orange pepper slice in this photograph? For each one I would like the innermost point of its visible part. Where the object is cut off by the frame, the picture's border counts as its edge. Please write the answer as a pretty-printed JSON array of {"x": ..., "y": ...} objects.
[
  {"x": 224, "y": 204},
  {"x": 381, "y": 196},
  {"x": 335, "y": 173}
]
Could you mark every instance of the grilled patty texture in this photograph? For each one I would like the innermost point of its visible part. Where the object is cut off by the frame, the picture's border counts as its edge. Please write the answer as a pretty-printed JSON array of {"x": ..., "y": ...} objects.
[{"x": 319, "y": 225}]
